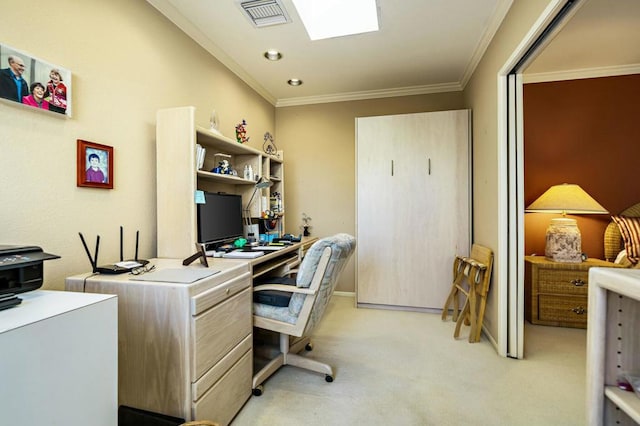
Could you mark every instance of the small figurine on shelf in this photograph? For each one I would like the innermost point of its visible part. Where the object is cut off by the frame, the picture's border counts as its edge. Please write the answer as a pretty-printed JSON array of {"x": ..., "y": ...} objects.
[
  {"x": 305, "y": 225},
  {"x": 241, "y": 132},
  {"x": 224, "y": 167}
]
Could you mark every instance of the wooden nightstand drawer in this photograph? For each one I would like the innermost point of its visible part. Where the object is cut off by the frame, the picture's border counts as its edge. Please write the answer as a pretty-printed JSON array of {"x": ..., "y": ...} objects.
[
  {"x": 557, "y": 281},
  {"x": 555, "y": 293},
  {"x": 569, "y": 311}
]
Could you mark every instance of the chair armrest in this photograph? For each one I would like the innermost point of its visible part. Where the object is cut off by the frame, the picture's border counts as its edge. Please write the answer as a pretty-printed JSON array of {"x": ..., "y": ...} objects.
[{"x": 283, "y": 287}]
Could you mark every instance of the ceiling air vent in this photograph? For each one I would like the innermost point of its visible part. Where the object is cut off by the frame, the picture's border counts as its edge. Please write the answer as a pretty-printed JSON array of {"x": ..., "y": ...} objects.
[{"x": 263, "y": 13}]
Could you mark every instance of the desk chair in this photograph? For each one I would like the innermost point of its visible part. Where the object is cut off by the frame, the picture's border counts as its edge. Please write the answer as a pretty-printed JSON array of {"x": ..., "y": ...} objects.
[{"x": 314, "y": 285}]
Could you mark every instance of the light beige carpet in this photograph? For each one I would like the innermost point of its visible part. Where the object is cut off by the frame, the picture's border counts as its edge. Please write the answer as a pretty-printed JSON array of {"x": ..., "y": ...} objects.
[{"x": 405, "y": 368}]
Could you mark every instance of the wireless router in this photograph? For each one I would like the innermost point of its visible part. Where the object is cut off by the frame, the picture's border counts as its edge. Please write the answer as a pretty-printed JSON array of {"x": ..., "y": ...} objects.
[{"x": 123, "y": 267}]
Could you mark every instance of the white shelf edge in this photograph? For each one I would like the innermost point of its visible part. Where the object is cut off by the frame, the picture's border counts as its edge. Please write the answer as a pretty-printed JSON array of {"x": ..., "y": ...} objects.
[
  {"x": 235, "y": 180},
  {"x": 625, "y": 400}
]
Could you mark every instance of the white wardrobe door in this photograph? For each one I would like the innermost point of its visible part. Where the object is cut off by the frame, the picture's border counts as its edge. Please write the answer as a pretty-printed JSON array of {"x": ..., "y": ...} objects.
[{"x": 413, "y": 206}]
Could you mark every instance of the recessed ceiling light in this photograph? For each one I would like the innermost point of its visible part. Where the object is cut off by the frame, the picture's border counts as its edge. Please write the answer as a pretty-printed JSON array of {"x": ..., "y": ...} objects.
[
  {"x": 336, "y": 18},
  {"x": 294, "y": 82},
  {"x": 273, "y": 55}
]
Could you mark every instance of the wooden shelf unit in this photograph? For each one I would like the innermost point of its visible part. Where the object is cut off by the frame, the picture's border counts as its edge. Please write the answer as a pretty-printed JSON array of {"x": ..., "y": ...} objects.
[
  {"x": 178, "y": 178},
  {"x": 612, "y": 345}
]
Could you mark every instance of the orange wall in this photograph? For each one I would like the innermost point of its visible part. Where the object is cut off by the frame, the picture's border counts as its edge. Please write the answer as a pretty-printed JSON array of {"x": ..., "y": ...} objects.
[{"x": 585, "y": 132}]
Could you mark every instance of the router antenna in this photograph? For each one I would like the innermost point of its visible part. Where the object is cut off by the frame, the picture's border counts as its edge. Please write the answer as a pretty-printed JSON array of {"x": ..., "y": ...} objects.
[
  {"x": 86, "y": 249},
  {"x": 95, "y": 260},
  {"x": 137, "y": 234},
  {"x": 121, "y": 255}
]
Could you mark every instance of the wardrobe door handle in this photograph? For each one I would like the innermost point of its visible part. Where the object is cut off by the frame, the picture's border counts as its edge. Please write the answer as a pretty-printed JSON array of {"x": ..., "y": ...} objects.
[
  {"x": 391, "y": 167},
  {"x": 429, "y": 166}
]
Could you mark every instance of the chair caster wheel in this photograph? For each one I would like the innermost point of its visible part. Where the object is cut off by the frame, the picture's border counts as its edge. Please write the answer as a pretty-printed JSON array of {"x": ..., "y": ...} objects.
[
  {"x": 257, "y": 391},
  {"x": 328, "y": 378},
  {"x": 308, "y": 347}
]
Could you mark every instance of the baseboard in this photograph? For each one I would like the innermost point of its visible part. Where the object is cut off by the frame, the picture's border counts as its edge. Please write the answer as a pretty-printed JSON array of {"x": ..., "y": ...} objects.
[{"x": 345, "y": 294}]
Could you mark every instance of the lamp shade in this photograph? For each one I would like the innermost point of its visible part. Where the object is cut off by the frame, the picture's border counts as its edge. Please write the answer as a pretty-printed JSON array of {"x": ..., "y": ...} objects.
[{"x": 566, "y": 198}]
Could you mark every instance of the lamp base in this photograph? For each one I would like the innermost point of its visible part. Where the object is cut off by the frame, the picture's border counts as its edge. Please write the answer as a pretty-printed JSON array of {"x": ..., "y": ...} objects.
[{"x": 564, "y": 243}]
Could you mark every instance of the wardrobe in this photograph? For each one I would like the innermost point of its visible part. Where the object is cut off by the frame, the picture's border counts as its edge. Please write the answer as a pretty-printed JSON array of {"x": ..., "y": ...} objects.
[{"x": 413, "y": 206}]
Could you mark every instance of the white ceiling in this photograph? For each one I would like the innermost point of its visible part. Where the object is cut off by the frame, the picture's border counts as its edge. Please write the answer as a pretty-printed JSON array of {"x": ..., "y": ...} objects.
[
  {"x": 422, "y": 47},
  {"x": 602, "y": 38}
]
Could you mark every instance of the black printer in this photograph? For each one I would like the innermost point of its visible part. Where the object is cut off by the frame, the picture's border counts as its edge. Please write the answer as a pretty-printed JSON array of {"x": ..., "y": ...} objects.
[{"x": 21, "y": 268}]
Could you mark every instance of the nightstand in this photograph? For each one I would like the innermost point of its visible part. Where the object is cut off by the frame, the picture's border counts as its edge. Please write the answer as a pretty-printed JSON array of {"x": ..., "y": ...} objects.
[{"x": 556, "y": 293}]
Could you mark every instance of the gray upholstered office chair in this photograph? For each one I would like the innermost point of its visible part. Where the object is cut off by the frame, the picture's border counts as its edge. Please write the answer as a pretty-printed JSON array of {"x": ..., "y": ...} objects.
[{"x": 316, "y": 279}]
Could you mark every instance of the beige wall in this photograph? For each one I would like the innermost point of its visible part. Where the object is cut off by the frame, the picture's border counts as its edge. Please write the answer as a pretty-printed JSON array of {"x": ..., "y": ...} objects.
[
  {"x": 132, "y": 61},
  {"x": 127, "y": 62},
  {"x": 481, "y": 95},
  {"x": 319, "y": 146}
]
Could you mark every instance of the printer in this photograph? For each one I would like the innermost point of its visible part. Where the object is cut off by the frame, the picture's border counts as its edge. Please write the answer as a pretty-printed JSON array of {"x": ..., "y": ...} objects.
[{"x": 21, "y": 268}]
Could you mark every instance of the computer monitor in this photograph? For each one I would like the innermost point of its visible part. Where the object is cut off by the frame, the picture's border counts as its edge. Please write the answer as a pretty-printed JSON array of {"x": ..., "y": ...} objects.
[{"x": 220, "y": 218}]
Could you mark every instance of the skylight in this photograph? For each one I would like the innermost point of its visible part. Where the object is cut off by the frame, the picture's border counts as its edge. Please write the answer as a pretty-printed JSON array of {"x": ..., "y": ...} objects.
[{"x": 337, "y": 18}]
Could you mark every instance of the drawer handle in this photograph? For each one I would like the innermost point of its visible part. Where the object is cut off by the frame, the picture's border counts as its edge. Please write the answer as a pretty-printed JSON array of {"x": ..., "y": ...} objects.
[
  {"x": 578, "y": 282},
  {"x": 578, "y": 310},
  {"x": 227, "y": 291}
]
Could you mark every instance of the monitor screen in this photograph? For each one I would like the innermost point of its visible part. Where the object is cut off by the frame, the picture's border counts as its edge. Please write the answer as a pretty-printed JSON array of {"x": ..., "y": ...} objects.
[{"x": 220, "y": 218}]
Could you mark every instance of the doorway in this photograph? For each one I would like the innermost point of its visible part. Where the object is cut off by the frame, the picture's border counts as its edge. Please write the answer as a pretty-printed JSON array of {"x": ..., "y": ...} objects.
[{"x": 537, "y": 52}]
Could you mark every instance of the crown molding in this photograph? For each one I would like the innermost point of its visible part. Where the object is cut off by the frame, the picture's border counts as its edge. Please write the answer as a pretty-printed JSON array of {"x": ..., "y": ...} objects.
[
  {"x": 578, "y": 74},
  {"x": 498, "y": 15},
  {"x": 371, "y": 94}
]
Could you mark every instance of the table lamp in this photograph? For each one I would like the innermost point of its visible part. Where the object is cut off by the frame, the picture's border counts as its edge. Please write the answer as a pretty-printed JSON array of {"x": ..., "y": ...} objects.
[
  {"x": 260, "y": 184},
  {"x": 563, "y": 240}
]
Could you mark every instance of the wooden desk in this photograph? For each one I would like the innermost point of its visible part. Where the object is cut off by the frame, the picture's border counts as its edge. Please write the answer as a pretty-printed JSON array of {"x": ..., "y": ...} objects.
[{"x": 185, "y": 349}]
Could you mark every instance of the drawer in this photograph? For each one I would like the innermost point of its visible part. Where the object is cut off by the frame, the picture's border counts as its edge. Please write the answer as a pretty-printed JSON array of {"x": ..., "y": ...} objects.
[
  {"x": 564, "y": 310},
  {"x": 212, "y": 297},
  {"x": 563, "y": 282},
  {"x": 217, "y": 371},
  {"x": 218, "y": 330},
  {"x": 228, "y": 395}
]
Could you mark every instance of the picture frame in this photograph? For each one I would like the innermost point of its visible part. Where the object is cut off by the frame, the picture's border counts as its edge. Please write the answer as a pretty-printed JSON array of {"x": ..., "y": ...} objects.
[
  {"x": 34, "y": 83},
  {"x": 94, "y": 165}
]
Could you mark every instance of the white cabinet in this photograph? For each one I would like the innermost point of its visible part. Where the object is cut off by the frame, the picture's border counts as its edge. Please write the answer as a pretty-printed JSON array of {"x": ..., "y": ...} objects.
[
  {"x": 185, "y": 348},
  {"x": 58, "y": 360},
  {"x": 178, "y": 178},
  {"x": 413, "y": 210},
  {"x": 613, "y": 345}
]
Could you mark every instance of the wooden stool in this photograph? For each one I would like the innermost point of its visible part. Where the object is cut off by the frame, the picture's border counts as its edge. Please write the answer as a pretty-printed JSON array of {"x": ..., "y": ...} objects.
[
  {"x": 476, "y": 271},
  {"x": 459, "y": 265}
]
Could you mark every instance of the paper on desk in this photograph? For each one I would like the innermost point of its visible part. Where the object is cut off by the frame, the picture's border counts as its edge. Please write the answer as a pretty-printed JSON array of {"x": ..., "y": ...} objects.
[{"x": 176, "y": 275}]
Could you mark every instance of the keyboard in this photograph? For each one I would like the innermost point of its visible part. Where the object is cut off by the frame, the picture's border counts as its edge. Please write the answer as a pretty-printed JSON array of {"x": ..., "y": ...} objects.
[
  {"x": 241, "y": 254},
  {"x": 268, "y": 248}
]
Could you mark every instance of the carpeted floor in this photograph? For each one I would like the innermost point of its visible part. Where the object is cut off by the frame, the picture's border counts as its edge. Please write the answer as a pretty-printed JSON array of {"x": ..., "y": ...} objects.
[{"x": 405, "y": 368}]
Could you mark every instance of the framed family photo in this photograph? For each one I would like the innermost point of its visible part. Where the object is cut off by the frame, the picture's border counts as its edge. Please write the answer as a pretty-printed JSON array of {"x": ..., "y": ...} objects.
[
  {"x": 94, "y": 165},
  {"x": 33, "y": 82}
]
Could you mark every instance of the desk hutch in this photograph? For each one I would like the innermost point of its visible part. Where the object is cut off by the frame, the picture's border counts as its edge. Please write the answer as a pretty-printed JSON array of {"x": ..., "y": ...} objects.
[{"x": 178, "y": 178}]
